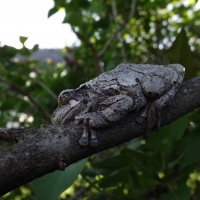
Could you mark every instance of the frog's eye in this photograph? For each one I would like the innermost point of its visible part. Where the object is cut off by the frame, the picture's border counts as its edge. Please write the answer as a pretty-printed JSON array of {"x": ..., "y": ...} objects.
[{"x": 64, "y": 98}]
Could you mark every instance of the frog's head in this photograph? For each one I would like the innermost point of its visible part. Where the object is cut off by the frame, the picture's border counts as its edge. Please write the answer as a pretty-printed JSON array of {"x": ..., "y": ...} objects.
[{"x": 71, "y": 102}]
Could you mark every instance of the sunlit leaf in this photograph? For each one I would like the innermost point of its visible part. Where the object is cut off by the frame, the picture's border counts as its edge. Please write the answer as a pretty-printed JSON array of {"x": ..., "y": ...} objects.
[
  {"x": 52, "y": 11},
  {"x": 23, "y": 39},
  {"x": 74, "y": 18},
  {"x": 35, "y": 47},
  {"x": 25, "y": 51}
]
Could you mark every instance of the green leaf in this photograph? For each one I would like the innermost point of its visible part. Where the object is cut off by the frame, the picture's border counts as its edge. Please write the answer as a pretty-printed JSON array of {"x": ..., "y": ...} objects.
[
  {"x": 35, "y": 47},
  {"x": 117, "y": 177},
  {"x": 182, "y": 193},
  {"x": 140, "y": 160},
  {"x": 168, "y": 134},
  {"x": 23, "y": 39},
  {"x": 180, "y": 53},
  {"x": 25, "y": 51},
  {"x": 97, "y": 7},
  {"x": 190, "y": 146},
  {"x": 52, "y": 11},
  {"x": 7, "y": 52},
  {"x": 148, "y": 182},
  {"x": 112, "y": 162},
  {"x": 72, "y": 6},
  {"x": 50, "y": 186},
  {"x": 74, "y": 18},
  {"x": 134, "y": 144}
]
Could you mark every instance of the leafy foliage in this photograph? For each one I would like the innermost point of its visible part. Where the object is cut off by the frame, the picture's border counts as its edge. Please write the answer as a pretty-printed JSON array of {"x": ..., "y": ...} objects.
[
  {"x": 51, "y": 185},
  {"x": 166, "y": 166}
]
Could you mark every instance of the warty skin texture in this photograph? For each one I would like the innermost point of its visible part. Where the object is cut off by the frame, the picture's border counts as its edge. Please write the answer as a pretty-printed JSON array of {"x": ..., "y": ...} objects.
[{"x": 112, "y": 95}]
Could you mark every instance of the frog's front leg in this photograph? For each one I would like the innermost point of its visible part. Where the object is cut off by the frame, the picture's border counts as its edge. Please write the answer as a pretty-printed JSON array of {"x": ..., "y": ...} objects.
[{"x": 110, "y": 110}]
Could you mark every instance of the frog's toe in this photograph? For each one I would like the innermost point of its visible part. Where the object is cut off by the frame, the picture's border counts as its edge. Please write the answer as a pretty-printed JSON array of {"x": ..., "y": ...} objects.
[
  {"x": 93, "y": 139},
  {"x": 140, "y": 119},
  {"x": 143, "y": 114},
  {"x": 83, "y": 141},
  {"x": 153, "y": 118}
]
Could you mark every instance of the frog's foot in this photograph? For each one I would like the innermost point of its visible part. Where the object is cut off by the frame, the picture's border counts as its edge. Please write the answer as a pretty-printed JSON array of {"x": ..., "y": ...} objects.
[
  {"x": 151, "y": 112},
  {"x": 143, "y": 114},
  {"x": 89, "y": 130},
  {"x": 154, "y": 113},
  {"x": 153, "y": 118},
  {"x": 88, "y": 137},
  {"x": 93, "y": 138},
  {"x": 83, "y": 141}
]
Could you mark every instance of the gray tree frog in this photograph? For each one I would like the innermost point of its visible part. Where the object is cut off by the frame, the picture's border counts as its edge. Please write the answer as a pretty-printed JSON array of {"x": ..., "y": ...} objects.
[{"x": 142, "y": 88}]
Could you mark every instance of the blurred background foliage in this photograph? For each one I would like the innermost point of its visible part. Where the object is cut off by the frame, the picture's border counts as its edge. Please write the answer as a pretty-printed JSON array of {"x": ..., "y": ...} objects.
[{"x": 167, "y": 165}]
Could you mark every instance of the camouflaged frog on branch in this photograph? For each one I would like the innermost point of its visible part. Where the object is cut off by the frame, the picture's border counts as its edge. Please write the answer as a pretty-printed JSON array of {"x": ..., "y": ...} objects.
[{"x": 113, "y": 94}]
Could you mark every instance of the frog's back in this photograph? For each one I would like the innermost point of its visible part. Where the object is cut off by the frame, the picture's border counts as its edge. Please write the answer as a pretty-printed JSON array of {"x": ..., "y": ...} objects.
[
  {"x": 170, "y": 72},
  {"x": 147, "y": 68},
  {"x": 139, "y": 68},
  {"x": 113, "y": 79},
  {"x": 128, "y": 74}
]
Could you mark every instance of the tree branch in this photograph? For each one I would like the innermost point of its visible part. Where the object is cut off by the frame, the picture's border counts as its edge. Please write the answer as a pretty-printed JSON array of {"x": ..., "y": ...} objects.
[
  {"x": 93, "y": 50},
  {"x": 47, "y": 89},
  {"x": 51, "y": 148},
  {"x": 119, "y": 35},
  {"x": 45, "y": 114},
  {"x": 113, "y": 36},
  {"x": 97, "y": 56}
]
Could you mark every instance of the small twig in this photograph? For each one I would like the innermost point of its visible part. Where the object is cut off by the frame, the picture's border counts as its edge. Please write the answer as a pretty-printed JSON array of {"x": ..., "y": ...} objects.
[
  {"x": 119, "y": 35},
  {"x": 45, "y": 114},
  {"x": 93, "y": 50},
  {"x": 113, "y": 36},
  {"x": 45, "y": 87},
  {"x": 87, "y": 42},
  {"x": 96, "y": 55}
]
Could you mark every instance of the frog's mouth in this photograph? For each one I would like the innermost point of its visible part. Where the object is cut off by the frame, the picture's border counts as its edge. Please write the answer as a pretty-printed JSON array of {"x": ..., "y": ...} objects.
[
  {"x": 71, "y": 111},
  {"x": 65, "y": 113}
]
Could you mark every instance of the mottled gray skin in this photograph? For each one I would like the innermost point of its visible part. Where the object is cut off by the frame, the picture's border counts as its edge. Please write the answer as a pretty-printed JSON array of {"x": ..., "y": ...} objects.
[{"x": 109, "y": 97}]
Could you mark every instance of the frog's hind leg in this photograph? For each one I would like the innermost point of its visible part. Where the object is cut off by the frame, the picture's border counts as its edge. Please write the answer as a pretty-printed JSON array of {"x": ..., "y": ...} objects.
[{"x": 152, "y": 111}]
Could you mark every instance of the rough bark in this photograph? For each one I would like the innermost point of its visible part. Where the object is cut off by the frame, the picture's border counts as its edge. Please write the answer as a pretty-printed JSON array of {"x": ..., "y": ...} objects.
[{"x": 51, "y": 148}]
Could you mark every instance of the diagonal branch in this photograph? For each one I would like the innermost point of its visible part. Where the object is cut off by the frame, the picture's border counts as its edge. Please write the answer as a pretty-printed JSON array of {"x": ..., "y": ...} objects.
[
  {"x": 93, "y": 50},
  {"x": 97, "y": 56},
  {"x": 45, "y": 114},
  {"x": 46, "y": 88},
  {"x": 113, "y": 36},
  {"x": 119, "y": 35},
  {"x": 51, "y": 148}
]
